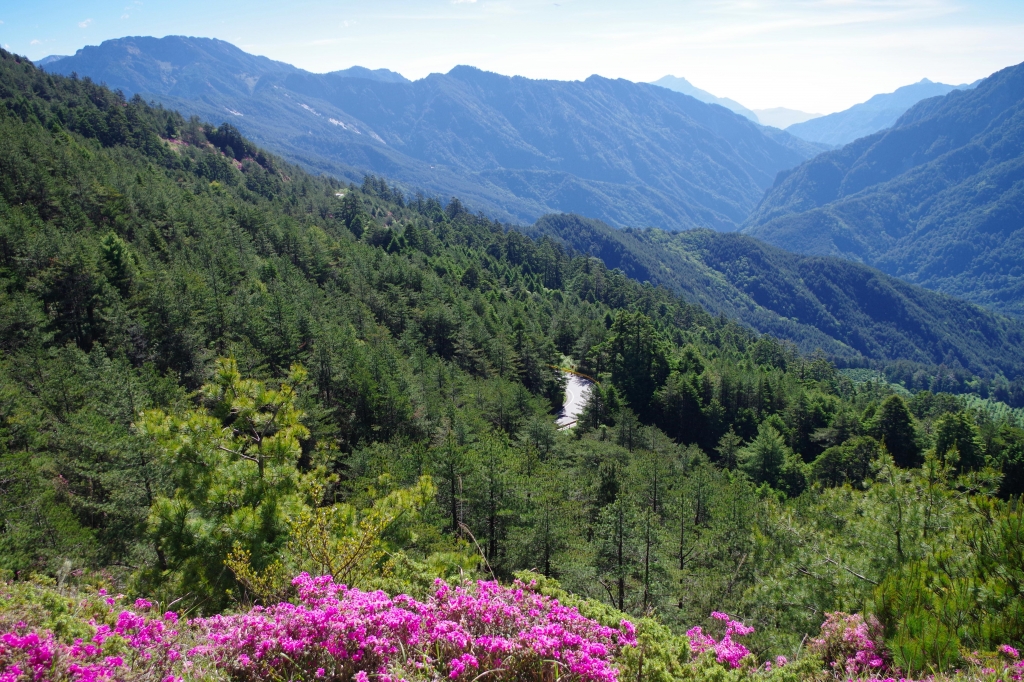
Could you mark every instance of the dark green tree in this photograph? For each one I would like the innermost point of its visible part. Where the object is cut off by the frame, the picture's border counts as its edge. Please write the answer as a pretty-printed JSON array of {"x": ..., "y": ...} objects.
[
  {"x": 958, "y": 441},
  {"x": 636, "y": 357},
  {"x": 893, "y": 425}
]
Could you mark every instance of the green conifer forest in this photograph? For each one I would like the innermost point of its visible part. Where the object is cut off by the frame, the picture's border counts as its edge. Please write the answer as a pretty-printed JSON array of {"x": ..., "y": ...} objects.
[{"x": 218, "y": 371}]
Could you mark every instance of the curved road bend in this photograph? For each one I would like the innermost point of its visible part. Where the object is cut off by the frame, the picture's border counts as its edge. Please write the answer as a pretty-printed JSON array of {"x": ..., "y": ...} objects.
[{"x": 577, "y": 390}]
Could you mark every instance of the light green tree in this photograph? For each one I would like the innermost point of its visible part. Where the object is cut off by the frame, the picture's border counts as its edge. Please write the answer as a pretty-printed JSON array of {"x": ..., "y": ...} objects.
[{"x": 234, "y": 463}]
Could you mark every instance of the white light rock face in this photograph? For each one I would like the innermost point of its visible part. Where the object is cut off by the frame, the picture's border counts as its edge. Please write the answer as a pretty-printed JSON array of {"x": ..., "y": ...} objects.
[{"x": 577, "y": 391}]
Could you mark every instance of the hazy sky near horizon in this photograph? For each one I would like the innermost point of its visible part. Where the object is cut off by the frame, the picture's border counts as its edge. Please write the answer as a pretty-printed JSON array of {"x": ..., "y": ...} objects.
[{"x": 813, "y": 55}]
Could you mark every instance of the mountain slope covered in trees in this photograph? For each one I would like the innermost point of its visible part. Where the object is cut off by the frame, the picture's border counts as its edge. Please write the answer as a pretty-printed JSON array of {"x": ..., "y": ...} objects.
[
  {"x": 851, "y": 312},
  {"x": 218, "y": 371},
  {"x": 514, "y": 148},
  {"x": 936, "y": 200}
]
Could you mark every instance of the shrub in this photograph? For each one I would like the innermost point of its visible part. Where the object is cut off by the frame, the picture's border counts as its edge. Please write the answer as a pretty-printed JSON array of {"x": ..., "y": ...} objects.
[{"x": 852, "y": 645}]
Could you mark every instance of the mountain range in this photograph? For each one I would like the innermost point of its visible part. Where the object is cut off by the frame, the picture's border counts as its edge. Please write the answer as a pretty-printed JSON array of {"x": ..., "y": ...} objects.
[
  {"x": 937, "y": 200},
  {"x": 627, "y": 153},
  {"x": 834, "y": 130},
  {"x": 878, "y": 113},
  {"x": 851, "y": 312},
  {"x": 934, "y": 200}
]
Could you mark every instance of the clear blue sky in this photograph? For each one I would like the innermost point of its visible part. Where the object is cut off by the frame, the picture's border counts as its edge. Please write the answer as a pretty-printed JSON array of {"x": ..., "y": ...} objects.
[{"x": 813, "y": 55}]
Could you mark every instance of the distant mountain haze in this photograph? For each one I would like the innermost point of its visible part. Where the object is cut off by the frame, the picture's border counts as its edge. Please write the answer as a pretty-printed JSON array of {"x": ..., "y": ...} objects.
[
  {"x": 937, "y": 199},
  {"x": 515, "y": 148},
  {"x": 866, "y": 118},
  {"x": 684, "y": 86},
  {"x": 781, "y": 117}
]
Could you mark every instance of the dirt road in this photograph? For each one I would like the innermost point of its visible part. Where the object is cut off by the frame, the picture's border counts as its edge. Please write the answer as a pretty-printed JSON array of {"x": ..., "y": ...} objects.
[{"x": 577, "y": 390}]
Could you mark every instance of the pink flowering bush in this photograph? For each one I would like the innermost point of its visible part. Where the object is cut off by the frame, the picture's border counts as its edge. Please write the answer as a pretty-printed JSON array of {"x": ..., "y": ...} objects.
[
  {"x": 478, "y": 631},
  {"x": 136, "y": 648},
  {"x": 1013, "y": 665},
  {"x": 331, "y": 633},
  {"x": 852, "y": 646},
  {"x": 24, "y": 654},
  {"x": 336, "y": 633},
  {"x": 726, "y": 649}
]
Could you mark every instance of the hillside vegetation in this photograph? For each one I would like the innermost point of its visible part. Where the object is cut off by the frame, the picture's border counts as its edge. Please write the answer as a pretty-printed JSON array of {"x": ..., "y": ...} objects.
[
  {"x": 935, "y": 200},
  {"x": 851, "y": 313},
  {"x": 515, "y": 148},
  {"x": 222, "y": 376}
]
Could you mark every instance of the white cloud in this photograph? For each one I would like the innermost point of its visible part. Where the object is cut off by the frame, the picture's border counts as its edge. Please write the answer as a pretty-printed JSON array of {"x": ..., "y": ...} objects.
[
  {"x": 463, "y": 2},
  {"x": 84, "y": 24},
  {"x": 34, "y": 42}
]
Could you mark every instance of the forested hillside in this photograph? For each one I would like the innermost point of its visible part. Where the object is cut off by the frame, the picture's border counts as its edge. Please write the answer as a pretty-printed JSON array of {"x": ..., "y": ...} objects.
[
  {"x": 935, "y": 200},
  {"x": 515, "y": 148},
  {"x": 852, "y": 313},
  {"x": 219, "y": 372}
]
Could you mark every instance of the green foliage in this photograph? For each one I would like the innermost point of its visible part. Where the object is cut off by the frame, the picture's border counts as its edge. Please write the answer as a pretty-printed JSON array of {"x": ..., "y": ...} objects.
[
  {"x": 894, "y": 427},
  {"x": 958, "y": 441},
  {"x": 66, "y": 606},
  {"x": 348, "y": 544},
  {"x": 938, "y": 608},
  {"x": 234, "y": 467},
  {"x": 635, "y": 356},
  {"x": 846, "y": 463},
  {"x": 768, "y": 460}
]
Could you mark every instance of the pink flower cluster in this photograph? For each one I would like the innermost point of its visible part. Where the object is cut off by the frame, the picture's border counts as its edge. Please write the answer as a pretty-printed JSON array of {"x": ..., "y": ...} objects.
[
  {"x": 1013, "y": 665},
  {"x": 852, "y": 646},
  {"x": 726, "y": 649},
  {"x": 336, "y": 633},
  {"x": 27, "y": 655}
]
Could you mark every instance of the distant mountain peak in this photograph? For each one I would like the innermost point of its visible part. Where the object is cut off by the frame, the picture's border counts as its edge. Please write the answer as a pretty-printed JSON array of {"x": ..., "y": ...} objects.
[
  {"x": 679, "y": 84},
  {"x": 379, "y": 75},
  {"x": 466, "y": 70},
  {"x": 50, "y": 59},
  {"x": 177, "y": 66}
]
